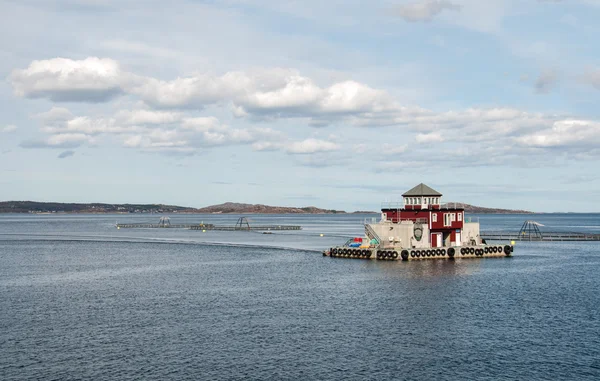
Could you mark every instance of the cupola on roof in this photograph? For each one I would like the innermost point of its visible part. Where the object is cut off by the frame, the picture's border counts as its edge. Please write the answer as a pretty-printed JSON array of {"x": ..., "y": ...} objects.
[{"x": 422, "y": 190}]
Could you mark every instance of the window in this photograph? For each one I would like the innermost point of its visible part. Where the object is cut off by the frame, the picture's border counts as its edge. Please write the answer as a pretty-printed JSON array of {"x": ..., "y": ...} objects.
[
  {"x": 447, "y": 221},
  {"x": 434, "y": 217},
  {"x": 452, "y": 217},
  {"x": 460, "y": 216}
]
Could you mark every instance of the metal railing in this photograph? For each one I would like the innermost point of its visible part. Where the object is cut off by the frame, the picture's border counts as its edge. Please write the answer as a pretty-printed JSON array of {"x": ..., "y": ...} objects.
[
  {"x": 401, "y": 205},
  {"x": 369, "y": 232},
  {"x": 392, "y": 205}
]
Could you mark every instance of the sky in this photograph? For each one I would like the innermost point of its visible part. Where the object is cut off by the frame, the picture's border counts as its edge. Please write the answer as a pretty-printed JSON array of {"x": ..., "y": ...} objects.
[{"x": 334, "y": 104}]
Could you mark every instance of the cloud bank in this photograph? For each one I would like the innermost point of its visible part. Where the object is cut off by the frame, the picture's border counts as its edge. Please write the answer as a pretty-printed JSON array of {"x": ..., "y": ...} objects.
[{"x": 166, "y": 118}]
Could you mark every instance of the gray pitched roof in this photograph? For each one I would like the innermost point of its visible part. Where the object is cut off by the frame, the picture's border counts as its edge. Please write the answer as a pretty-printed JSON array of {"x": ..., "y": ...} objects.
[{"x": 422, "y": 190}]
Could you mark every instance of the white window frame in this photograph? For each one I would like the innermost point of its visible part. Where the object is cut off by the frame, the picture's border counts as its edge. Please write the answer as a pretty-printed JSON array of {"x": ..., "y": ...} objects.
[
  {"x": 434, "y": 217},
  {"x": 460, "y": 216}
]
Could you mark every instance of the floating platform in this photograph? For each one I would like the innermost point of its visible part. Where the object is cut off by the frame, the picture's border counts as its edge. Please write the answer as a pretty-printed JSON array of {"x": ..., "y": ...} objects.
[
  {"x": 530, "y": 231},
  {"x": 210, "y": 227},
  {"x": 547, "y": 236},
  {"x": 154, "y": 226},
  {"x": 241, "y": 225},
  {"x": 249, "y": 228}
]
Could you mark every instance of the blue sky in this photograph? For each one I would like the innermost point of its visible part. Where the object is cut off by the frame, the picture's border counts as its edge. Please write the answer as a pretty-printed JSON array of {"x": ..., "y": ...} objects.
[{"x": 337, "y": 104}]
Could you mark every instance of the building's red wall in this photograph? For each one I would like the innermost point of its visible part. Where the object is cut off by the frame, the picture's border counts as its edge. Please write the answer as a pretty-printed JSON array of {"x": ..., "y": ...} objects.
[
  {"x": 396, "y": 215},
  {"x": 439, "y": 224}
]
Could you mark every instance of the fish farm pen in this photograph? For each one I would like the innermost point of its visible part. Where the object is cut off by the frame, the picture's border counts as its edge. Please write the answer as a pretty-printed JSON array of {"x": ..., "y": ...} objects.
[
  {"x": 530, "y": 232},
  {"x": 242, "y": 224}
]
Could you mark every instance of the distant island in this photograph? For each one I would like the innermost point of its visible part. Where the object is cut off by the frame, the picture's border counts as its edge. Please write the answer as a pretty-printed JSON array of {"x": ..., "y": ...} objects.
[
  {"x": 99, "y": 208},
  {"x": 228, "y": 207},
  {"x": 233, "y": 207},
  {"x": 481, "y": 210}
]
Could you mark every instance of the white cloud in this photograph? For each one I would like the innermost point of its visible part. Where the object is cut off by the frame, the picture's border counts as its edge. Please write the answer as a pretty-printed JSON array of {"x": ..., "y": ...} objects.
[
  {"x": 55, "y": 115},
  {"x": 564, "y": 133},
  {"x": 9, "y": 128},
  {"x": 64, "y": 80},
  {"x": 133, "y": 141},
  {"x": 150, "y": 130},
  {"x": 297, "y": 93},
  {"x": 265, "y": 93},
  {"x": 393, "y": 149},
  {"x": 266, "y": 146},
  {"x": 199, "y": 133},
  {"x": 202, "y": 124},
  {"x": 144, "y": 117},
  {"x": 61, "y": 120},
  {"x": 309, "y": 146},
  {"x": 87, "y": 125},
  {"x": 425, "y": 10},
  {"x": 262, "y": 94},
  {"x": 66, "y": 140},
  {"x": 193, "y": 92},
  {"x": 95, "y": 126},
  {"x": 432, "y": 137}
]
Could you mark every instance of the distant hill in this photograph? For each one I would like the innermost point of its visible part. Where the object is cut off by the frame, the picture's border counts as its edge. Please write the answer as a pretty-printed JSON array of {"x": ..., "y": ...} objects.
[
  {"x": 233, "y": 207},
  {"x": 228, "y": 207},
  {"x": 57, "y": 207},
  {"x": 481, "y": 210}
]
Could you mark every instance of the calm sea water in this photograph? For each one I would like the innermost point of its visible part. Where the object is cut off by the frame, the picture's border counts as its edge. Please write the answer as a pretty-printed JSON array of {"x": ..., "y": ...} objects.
[{"x": 80, "y": 299}]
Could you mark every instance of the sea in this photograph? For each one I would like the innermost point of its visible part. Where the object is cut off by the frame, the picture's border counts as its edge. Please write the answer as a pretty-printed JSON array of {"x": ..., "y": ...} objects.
[{"x": 83, "y": 300}]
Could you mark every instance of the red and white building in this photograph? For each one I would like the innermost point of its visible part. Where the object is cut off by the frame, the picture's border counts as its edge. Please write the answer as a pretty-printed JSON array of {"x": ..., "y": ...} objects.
[
  {"x": 421, "y": 221},
  {"x": 420, "y": 227}
]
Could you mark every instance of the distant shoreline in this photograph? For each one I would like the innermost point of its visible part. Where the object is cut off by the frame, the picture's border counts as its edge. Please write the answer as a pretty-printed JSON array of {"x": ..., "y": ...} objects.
[
  {"x": 49, "y": 208},
  {"x": 259, "y": 213}
]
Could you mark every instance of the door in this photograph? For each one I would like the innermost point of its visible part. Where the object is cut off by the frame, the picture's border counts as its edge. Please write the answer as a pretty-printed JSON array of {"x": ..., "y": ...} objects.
[
  {"x": 458, "y": 240},
  {"x": 434, "y": 240}
]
